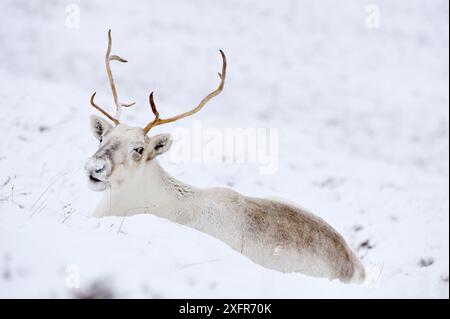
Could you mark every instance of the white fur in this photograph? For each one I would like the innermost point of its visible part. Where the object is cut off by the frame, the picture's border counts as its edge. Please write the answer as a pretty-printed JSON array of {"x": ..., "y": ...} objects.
[{"x": 142, "y": 186}]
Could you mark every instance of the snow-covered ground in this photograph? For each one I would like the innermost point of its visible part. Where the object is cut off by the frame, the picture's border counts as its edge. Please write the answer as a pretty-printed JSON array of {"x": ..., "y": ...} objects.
[{"x": 362, "y": 114}]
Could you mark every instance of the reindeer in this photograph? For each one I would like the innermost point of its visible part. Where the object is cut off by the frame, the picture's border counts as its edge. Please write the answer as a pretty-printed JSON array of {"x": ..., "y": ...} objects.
[{"x": 271, "y": 233}]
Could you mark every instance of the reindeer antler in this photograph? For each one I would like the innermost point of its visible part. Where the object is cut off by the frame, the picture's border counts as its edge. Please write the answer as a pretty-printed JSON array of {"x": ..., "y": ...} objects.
[
  {"x": 108, "y": 58},
  {"x": 158, "y": 121}
]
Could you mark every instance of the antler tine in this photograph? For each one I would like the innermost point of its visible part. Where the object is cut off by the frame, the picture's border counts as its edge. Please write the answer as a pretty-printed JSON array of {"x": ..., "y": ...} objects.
[
  {"x": 127, "y": 105},
  {"x": 110, "y": 77},
  {"x": 155, "y": 112},
  {"x": 157, "y": 121},
  {"x": 102, "y": 110},
  {"x": 108, "y": 58}
]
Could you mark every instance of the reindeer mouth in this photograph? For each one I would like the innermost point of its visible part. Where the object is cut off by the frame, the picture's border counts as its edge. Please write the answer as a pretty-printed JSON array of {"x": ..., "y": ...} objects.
[
  {"x": 94, "y": 180},
  {"x": 96, "y": 184}
]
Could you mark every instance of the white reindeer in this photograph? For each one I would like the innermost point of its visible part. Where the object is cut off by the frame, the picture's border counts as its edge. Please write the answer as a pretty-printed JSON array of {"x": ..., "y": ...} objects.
[{"x": 271, "y": 233}]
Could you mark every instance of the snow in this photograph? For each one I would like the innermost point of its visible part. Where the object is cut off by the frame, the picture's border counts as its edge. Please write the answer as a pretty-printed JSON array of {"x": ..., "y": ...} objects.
[{"x": 362, "y": 115}]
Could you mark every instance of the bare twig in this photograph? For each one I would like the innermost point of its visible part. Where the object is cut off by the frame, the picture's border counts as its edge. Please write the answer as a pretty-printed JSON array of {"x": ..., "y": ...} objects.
[
  {"x": 199, "y": 263},
  {"x": 6, "y": 182}
]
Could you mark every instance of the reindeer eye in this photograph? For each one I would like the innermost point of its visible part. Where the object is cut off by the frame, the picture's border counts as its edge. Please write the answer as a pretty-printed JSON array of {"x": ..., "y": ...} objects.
[
  {"x": 101, "y": 139},
  {"x": 139, "y": 150}
]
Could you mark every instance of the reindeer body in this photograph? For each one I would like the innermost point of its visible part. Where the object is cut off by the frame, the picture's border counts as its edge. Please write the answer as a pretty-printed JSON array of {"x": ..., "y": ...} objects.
[
  {"x": 271, "y": 233},
  {"x": 274, "y": 234}
]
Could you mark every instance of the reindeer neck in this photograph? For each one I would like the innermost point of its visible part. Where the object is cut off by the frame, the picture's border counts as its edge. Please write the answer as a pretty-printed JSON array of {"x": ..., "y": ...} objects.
[
  {"x": 150, "y": 189},
  {"x": 169, "y": 186}
]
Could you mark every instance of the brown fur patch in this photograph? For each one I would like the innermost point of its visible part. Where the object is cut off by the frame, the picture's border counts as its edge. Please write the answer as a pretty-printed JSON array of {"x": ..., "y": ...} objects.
[{"x": 276, "y": 223}]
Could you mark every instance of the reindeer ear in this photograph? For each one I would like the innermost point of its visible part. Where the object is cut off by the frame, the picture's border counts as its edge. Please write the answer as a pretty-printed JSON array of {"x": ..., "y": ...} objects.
[
  {"x": 99, "y": 126},
  {"x": 159, "y": 144}
]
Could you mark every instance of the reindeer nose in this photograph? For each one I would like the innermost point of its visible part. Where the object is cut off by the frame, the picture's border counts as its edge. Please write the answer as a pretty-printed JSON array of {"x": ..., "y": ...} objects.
[
  {"x": 101, "y": 169},
  {"x": 97, "y": 167}
]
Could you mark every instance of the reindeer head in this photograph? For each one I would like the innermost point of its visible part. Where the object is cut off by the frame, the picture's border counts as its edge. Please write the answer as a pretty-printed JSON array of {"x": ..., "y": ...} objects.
[{"x": 123, "y": 149}]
